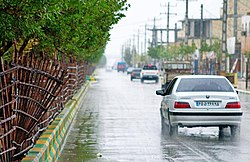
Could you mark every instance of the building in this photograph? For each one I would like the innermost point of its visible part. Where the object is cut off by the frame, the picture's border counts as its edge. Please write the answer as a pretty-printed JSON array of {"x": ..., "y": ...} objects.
[
  {"x": 237, "y": 24},
  {"x": 245, "y": 42},
  {"x": 211, "y": 30},
  {"x": 239, "y": 30}
]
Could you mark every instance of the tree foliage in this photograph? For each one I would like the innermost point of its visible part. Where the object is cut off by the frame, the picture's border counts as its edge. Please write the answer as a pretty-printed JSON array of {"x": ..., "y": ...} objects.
[
  {"x": 205, "y": 47},
  {"x": 128, "y": 56},
  {"x": 171, "y": 52},
  {"x": 187, "y": 49},
  {"x": 74, "y": 27},
  {"x": 102, "y": 61},
  {"x": 155, "y": 52}
]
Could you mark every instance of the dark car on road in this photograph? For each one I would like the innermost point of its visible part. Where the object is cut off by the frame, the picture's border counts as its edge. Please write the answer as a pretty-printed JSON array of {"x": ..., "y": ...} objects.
[{"x": 136, "y": 74}]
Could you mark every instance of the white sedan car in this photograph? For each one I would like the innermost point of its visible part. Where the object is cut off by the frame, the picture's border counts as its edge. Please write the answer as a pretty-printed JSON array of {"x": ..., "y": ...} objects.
[{"x": 200, "y": 100}]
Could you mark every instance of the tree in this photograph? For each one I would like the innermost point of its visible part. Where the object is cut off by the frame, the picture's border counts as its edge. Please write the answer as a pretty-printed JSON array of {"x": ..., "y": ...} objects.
[
  {"x": 128, "y": 56},
  {"x": 216, "y": 47},
  {"x": 74, "y": 28},
  {"x": 205, "y": 47},
  {"x": 155, "y": 52},
  {"x": 186, "y": 50},
  {"x": 171, "y": 52},
  {"x": 103, "y": 61}
]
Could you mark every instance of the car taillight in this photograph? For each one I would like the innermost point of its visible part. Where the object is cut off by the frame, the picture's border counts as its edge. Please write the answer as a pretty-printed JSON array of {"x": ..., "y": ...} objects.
[
  {"x": 233, "y": 105},
  {"x": 181, "y": 105}
]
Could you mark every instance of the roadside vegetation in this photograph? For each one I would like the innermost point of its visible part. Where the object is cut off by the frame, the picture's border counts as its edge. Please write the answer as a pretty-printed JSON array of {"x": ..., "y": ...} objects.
[{"x": 58, "y": 28}]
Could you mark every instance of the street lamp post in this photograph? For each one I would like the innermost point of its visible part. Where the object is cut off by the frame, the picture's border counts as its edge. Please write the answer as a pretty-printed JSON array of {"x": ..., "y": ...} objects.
[
  {"x": 244, "y": 33},
  {"x": 247, "y": 72}
]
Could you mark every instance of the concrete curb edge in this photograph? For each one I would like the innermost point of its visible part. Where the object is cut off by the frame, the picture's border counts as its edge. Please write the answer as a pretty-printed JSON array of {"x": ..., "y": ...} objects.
[{"x": 50, "y": 143}]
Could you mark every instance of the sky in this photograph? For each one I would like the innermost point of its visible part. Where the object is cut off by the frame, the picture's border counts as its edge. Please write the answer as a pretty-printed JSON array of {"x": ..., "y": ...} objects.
[{"x": 143, "y": 12}]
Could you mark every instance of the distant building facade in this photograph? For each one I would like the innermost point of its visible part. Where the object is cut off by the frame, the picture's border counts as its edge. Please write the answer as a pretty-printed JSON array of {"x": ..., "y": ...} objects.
[{"x": 211, "y": 30}]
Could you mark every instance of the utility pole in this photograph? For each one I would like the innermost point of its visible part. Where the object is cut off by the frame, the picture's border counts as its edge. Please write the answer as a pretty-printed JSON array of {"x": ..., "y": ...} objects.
[
  {"x": 154, "y": 30},
  {"x": 133, "y": 51},
  {"x": 161, "y": 38},
  {"x": 186, "y": 24},
  {"x": 175, "y": 33},
  {"x": 154, "y": 36},
  {"x": 237, "y": 54},
  {"x": 145, "y": 43},
  {"x": 138, "y": 42},
  {"x": 168, "y": 24},
  {"x": 123, "y": 49},
  {"x": 202, "y": 62},
  {"x": 235, "y": 19},
  {"x": 201, "y": 26},
  {"x": 224, "y": 37},
  {"x": 168, "y": 14}
]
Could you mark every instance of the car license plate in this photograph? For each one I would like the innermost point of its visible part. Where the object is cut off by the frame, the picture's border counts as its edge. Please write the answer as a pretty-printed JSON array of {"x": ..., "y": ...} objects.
[{"x": 207, "y": 103}]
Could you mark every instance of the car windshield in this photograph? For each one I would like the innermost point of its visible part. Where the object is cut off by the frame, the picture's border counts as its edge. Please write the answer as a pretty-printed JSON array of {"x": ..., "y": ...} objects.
[
  {"x": 150, "y": 67},
  {"x": 204, "y": 84}
]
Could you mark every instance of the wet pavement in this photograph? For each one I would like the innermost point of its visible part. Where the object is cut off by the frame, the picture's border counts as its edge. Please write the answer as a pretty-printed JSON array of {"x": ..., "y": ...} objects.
[{"x": 119, "y": 121}]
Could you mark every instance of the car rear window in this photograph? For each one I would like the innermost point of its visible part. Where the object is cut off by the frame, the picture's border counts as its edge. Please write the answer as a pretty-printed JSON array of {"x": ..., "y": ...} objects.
[
  {"x": 137, "y": 70},
  {"x": 204, "y": 84},
  {"x": 152, "y": 67}
]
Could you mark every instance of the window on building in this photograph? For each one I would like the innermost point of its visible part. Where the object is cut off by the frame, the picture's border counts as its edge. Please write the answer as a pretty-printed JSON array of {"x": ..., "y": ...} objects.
[
  {"x": 197, "y": 29},
  {"x": 205, "y": 29}
]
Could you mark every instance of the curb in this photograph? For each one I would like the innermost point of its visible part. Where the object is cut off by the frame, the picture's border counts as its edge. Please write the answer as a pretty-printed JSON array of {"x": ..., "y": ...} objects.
[
  {"x": 50, "y": 143},
  {"x": 243, "y": 91}
]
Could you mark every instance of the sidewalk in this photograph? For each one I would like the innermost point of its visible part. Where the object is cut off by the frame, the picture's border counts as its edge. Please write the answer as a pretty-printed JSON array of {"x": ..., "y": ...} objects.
[{"x": 242, "y": 86}]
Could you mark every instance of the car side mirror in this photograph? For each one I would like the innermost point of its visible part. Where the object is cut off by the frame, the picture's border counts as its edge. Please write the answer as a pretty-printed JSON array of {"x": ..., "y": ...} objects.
[{"x": 160, "y": 92}]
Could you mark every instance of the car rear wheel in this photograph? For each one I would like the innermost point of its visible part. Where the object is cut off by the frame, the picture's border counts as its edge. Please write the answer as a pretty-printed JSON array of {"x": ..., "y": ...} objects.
[
  {"x": 222, "y": 131},
  {"x": 164, "y": 126},
  {"x": 235, "y": 131},
  {"x": 173, "y": 130}
]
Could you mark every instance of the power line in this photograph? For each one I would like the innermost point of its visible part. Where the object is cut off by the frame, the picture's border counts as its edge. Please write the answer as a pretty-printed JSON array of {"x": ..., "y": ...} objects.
[{"x": 135, "y": 23}]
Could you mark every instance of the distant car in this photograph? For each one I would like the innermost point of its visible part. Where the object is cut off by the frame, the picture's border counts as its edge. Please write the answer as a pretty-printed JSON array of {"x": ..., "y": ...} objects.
[
  {"x": 108, "y": 68},
  {"x": 200, "y": 100},
  {"x": 150, "y": 72},
  {"x": 129, "y": 70},
  {"x": 136, "y": 74},
  {"x": 121, "y": 66}
]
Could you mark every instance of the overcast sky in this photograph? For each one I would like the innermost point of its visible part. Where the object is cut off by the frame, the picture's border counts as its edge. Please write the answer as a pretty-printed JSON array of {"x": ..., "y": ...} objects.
[{"x": 142, "y": 12}]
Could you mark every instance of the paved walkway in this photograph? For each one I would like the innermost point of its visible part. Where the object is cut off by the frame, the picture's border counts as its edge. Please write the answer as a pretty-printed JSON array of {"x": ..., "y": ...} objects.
[{"x": 242, "y": 86}]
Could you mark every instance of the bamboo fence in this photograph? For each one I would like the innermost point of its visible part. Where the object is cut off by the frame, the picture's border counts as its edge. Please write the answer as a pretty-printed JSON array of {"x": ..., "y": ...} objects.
[{"x": 33, "y": 92}]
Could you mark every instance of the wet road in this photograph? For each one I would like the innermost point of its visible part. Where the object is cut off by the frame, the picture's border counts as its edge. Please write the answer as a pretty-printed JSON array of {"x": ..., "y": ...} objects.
[{"x": 120, "y": 122}]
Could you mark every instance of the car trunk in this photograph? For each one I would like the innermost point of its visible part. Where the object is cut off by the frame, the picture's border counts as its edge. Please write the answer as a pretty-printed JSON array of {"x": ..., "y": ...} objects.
[{"x": 208, "y": 100}]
